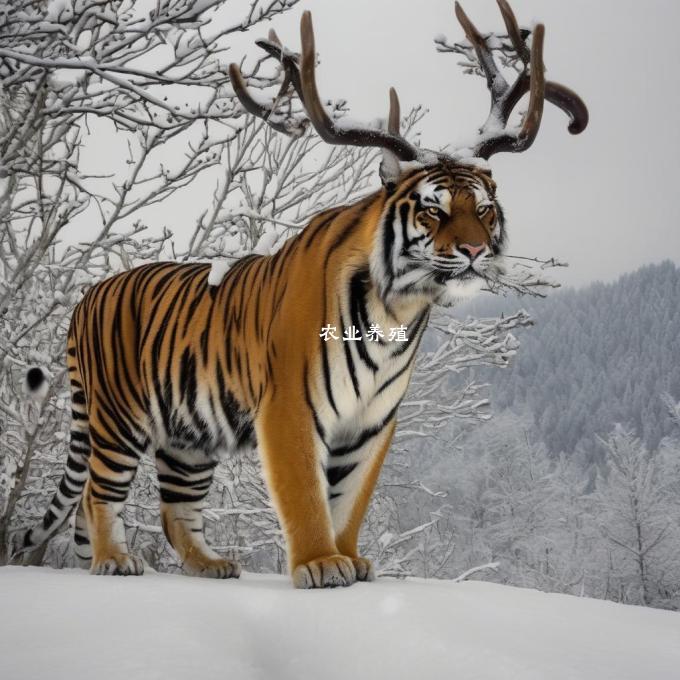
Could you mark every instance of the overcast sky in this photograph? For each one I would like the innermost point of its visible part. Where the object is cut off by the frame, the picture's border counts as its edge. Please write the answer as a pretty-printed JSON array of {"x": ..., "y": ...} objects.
[{"x": 604, "y": 201}]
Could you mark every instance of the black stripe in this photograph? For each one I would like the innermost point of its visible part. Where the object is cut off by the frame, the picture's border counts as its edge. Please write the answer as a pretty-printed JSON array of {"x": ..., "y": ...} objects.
[
  {"x": 313, "y": 230},
  {"x": 327, "y": 376},
  {"x": 348, "y": 358},
  {"x": 112, "y": 485},
  {"x": 367, "y": 434},
  {"x": 188, "y": 381},
  {"x": 163, "y": 283},
  {"x": 168, "y": 496},
  {"x": 336, "y": 474},
  {"x": 348, "y": 229},
  {"x": 74, "y": 465},
  {"x": 413, "y": 334},
  {"x": 113, "y": 465},
  {"x": 400, "y": 372},
  {"x": 183, "y": 481},
  {"x": 308, "y": 399},
  {"x": 357, "y": 303},
  {"x": 108, "y": 498},
  {"x": 388, "y": 244},
  {"x": 183, "y": 467}
]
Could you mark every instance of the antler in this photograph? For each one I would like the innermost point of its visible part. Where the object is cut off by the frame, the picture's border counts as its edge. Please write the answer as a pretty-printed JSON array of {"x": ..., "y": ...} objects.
[
  {"x": 289, "y": 62},
  {"x": 301, "y": 74},
  {"x": 494, "y": 134}
]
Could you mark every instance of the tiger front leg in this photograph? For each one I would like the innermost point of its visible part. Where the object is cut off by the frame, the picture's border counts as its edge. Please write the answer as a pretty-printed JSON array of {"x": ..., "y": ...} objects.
[
  {"x": 351, "y": 487},
  {"x": 297, "y": 487}
]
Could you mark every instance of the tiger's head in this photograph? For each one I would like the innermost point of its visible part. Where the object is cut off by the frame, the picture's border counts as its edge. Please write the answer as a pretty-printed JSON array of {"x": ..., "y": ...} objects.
[{"x": 440, "y": 236}]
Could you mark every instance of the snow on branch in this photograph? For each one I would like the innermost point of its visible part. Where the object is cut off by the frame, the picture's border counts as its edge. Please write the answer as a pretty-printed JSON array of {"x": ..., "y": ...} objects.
[
  {"x": 85, "y": 56},
  {"x": 475, "y": 570},
  {"x": 433, "y": 397},
  {"x": 500, "y": 45},
  {"x": 522, "y": 276}
]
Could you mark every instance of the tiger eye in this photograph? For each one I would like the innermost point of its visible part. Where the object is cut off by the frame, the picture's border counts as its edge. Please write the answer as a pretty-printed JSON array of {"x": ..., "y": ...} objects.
[{"x": 434, "y": 212}]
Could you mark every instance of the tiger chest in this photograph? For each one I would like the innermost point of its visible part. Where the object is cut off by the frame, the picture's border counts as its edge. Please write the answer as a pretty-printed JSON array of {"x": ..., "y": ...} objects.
[{"x": 356, "y": 400}]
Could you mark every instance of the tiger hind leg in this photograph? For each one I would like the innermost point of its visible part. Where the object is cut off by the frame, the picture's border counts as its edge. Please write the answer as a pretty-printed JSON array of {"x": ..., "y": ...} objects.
[
  {"x": 185, "y": 478},
  {"x": 110, "y": 554},
  {"x": 113, "y": 464}
]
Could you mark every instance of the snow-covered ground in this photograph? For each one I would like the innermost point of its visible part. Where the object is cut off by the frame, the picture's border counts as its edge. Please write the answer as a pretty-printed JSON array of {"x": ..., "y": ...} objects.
[{"x": 70, "y": 625}]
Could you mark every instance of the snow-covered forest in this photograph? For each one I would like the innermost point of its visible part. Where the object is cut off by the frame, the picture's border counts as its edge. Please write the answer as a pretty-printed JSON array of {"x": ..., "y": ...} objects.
[
  {"x": 603, "y": 354},
  {"x": 539, "y": 443}
]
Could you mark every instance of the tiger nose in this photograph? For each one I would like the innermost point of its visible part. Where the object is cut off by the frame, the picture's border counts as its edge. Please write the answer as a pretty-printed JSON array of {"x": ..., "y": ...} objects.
[{"x": 471, "y": 250}]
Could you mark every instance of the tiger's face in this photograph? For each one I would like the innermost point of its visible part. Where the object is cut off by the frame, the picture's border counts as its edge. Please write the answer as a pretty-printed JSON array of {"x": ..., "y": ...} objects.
[{"x": 441, "y": 235}]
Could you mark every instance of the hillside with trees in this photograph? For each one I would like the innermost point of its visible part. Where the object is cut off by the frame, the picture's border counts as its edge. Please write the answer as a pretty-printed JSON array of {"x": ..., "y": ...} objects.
[
  {"x": 573, "y": 482},
  {"x": 594, "y": 357}
]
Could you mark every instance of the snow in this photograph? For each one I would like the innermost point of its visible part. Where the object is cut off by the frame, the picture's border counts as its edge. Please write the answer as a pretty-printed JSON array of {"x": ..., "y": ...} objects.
[
  {"x": 266, "y": 242},
  {"x": 68, "y": 624},
  {"x": 217, "y": 271},
  {"x": 59, "y": 10}
]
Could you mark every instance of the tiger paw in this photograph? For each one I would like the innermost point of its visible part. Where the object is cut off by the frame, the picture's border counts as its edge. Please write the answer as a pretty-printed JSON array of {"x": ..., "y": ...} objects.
[
  {"x": 212, "y": 568},
  {"x": 118, "y": 565},
  {"x": 325, "y": 572},
  {"x": 364, "y": 569}
]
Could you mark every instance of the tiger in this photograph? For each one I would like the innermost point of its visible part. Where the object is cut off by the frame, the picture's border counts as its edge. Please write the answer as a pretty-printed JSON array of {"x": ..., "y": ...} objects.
[{"x": 168, "y": 360}]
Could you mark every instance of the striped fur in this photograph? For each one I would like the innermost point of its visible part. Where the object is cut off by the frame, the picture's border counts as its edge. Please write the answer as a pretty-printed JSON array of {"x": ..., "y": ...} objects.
[{"x": 162, "y": 363}]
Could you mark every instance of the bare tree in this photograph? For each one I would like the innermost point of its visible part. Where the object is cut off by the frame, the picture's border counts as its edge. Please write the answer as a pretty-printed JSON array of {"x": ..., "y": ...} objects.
[{"x": 638, "y": 519}]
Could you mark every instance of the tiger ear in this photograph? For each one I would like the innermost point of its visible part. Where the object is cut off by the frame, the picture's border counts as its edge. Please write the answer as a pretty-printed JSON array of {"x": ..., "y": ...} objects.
[
  {"x": 488, "y": 178},
  {"x": 390, "y": 167},
  {"x": 390, "y": 170}
]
